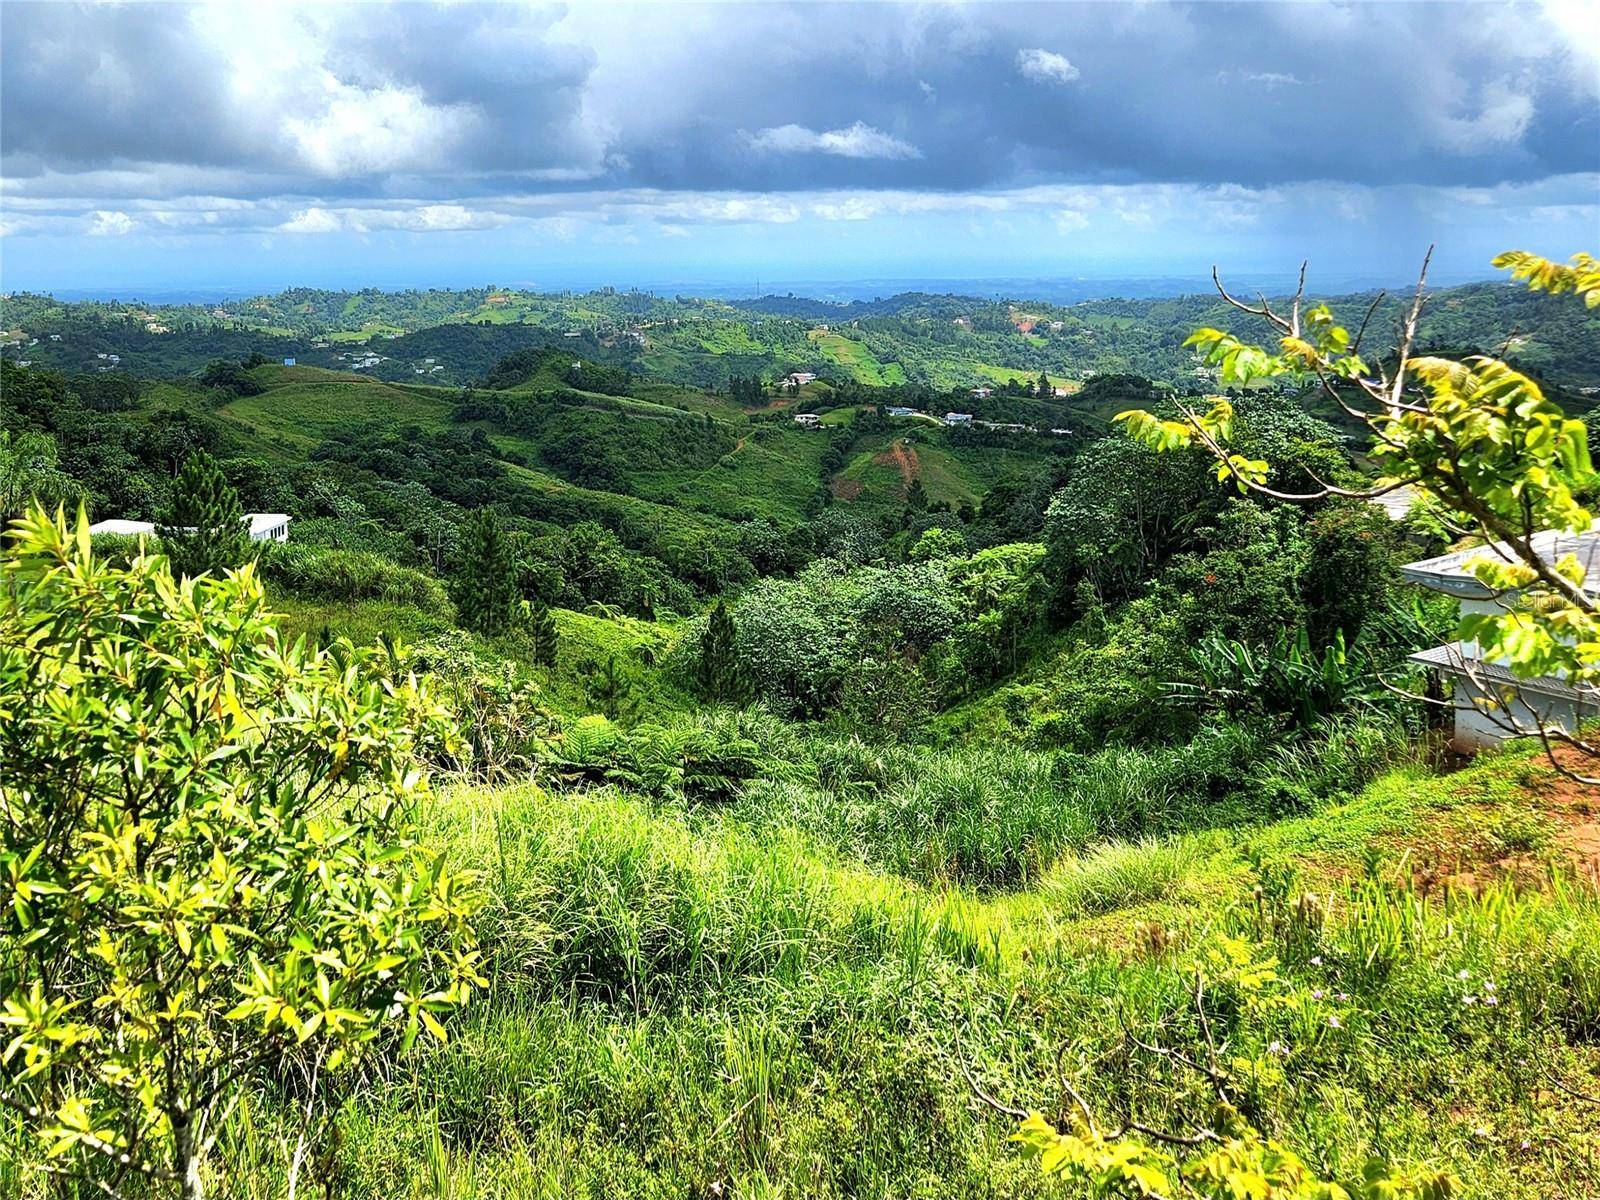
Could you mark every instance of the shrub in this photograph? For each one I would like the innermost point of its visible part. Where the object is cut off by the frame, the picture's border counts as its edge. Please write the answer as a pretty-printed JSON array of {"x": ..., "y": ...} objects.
[{"x": 208, "y": 868}]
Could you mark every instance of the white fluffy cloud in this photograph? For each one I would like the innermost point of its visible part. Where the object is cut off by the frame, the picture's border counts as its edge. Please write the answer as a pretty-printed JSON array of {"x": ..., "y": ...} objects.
[
  {"x": 104, "y": 223},
  {"x": 859, "y": 140},
  {"x": 1046, "y": 66}
]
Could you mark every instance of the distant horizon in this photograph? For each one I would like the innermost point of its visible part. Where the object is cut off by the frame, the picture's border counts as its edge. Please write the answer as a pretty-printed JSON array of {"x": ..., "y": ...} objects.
[{"x": 1051, "y": 289}]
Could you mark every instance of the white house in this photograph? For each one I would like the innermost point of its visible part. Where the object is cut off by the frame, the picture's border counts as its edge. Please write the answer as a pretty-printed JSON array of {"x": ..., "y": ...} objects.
[
  {"x": 264, "y": 527},
  {"x": 1491, "y": 704},
  {"x": 799, "y": 379},
  {"x": 899, "y": 410},
  {"x": 807, "y": 420},
  {"x": 982, "y": 393},
  {"x": 955, "y": 418}
]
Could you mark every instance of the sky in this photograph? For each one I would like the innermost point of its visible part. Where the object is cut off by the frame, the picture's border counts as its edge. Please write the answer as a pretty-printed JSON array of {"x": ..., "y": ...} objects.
[{"x": 236, "y": 147}]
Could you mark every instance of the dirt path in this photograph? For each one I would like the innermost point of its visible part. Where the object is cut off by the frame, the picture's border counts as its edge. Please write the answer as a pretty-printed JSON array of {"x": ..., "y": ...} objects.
[{"x": 903, "y": 458}]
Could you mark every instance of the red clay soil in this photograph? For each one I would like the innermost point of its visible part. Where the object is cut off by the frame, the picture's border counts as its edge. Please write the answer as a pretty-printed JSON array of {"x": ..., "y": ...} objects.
[
  {"x": 902, "y": 458},
  {"x": 1459, "y": 856},
  {"x": 845, "y": 489},
  {"x": 1576, "y": 806}
]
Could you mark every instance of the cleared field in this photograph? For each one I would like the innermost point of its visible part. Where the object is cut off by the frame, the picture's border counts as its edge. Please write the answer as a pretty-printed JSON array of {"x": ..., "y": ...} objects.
[
  {"x": 311, "y": 404},
  {"x": 862, "y": 364},
  {"x": 1006, "y": 374}
]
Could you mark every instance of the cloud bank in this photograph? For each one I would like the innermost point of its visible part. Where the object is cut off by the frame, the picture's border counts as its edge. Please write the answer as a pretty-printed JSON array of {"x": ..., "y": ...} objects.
[{"x": 138, "y": 120}]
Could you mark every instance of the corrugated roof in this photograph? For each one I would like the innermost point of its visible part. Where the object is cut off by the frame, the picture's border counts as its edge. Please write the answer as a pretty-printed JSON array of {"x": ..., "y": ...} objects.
[
  {"x": 1458, "y": 658},
  {"x": 1449, "y": 572}
]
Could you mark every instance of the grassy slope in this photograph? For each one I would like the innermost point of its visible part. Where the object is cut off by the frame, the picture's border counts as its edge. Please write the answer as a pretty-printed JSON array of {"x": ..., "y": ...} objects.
[
  {"x": 301, "y": 406},
  {"x": 857, "y": 359},
  {"x": 772, "y": 471},
  {"x": 685, "y": 1005},
  {"x": 874, "y": 474}
]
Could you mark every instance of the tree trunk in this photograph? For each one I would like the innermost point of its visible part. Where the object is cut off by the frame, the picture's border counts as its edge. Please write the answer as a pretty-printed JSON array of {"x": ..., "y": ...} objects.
[{"x": 186, "y": 1158}]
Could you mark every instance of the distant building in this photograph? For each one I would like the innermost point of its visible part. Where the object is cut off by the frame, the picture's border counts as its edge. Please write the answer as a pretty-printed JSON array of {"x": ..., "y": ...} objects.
[
  {"x": 955, "y": 418},
  {"x": 288, "y": 362},
  {"x": 982, "y": 393},
  {"x": 798, "y": 379},
  {"x": 264, "y": 527},
  {"x": 55, "y": 337},
  {"x": 1060, "y": 432},
  {"x": 807, "y": 420},
  {"x": 1060, "y": 393},
  {"x": 899, "y": 410}
]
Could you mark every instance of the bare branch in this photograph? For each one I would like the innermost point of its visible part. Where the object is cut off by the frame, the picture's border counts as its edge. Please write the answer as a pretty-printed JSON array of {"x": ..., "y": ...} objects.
[{"x": 1355, "y": 346}]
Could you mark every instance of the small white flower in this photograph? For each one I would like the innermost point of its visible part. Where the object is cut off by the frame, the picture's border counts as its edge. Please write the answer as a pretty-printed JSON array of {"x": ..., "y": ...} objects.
[
  {"x": 1488, "y": 985},
  {"x": 1333, "y": 1023},
  {"x": 1526, "y": 1144},
  {"x": 1469, "y": 1001},
  {"x": 1344, "y": 997},
  {"x": 1279, "y": 1049},
  {"x": 1481, "y": 1132},
  {"x": 1316, "y": 960},
  {"x": 1463, "y": 973},
  {"x": 1491, "y": 1001}
]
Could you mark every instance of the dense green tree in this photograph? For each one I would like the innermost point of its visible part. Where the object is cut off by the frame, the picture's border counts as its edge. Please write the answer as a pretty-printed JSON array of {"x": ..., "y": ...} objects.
[
  {"x": 610, "y": 689},
  {"x": 542, "y": 635},
  {"x": 205, "y": 529},
  {"x": 917, "y": 496},
  {"x": 486, "y": 577},
  {"x": 30, "y": 470},
  {"x": 719, "y": 673}
]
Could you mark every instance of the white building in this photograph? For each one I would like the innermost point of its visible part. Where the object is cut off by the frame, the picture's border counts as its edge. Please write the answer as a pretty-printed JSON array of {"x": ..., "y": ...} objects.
[
  {"x": 1491, "y": 704},
  {"x": 264, "y": 527},
  {"x": 955, "y": 418},
  {"x": 807, "y": 420},
  {"x": 982, "y": 393},
  {"x": 799, "y": 379}
]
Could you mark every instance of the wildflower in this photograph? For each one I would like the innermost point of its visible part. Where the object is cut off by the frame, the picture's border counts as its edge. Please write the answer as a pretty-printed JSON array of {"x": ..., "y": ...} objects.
[
  {"x": 1333, "y": 1021},
  {"x": 1491, "y": 1000},
  {"x": 1316, "y": 960},
  {"x": 1316, "y": 993},
  {"x": 1279, "y": 1049},
  {"x": 1463, "y": 973},
  {"x": 1488, "y": 985},
  {"x": 1469, "y": 1001},
  {"x": 1344, "y": 997},
  {"x": 1480, "y": 1132},
  {"x": 1526, "y": 1144}
]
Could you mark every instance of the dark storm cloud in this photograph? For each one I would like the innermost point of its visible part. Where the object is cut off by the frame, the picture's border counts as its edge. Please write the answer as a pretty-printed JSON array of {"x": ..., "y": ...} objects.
[{"x": 363, "y": 102}]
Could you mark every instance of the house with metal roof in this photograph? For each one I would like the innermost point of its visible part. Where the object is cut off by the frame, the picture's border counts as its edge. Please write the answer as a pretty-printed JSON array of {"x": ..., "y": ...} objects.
[
  {"x": 264, "y": 527},
  {"x": 1491, "y": 704}
]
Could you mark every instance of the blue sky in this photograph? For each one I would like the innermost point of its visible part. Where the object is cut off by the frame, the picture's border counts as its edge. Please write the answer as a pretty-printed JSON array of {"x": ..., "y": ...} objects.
[{"x": 234, "y": 146}]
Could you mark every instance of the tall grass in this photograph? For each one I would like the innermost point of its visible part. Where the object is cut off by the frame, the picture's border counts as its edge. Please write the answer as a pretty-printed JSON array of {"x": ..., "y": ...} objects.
[{"x": 1120, "y": 875}]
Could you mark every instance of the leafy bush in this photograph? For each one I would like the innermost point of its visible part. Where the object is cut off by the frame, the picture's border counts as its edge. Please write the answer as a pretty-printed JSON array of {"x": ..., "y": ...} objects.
[
  {"x": 211, "y": 872},
  {"x": 702, "y": 759}
]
